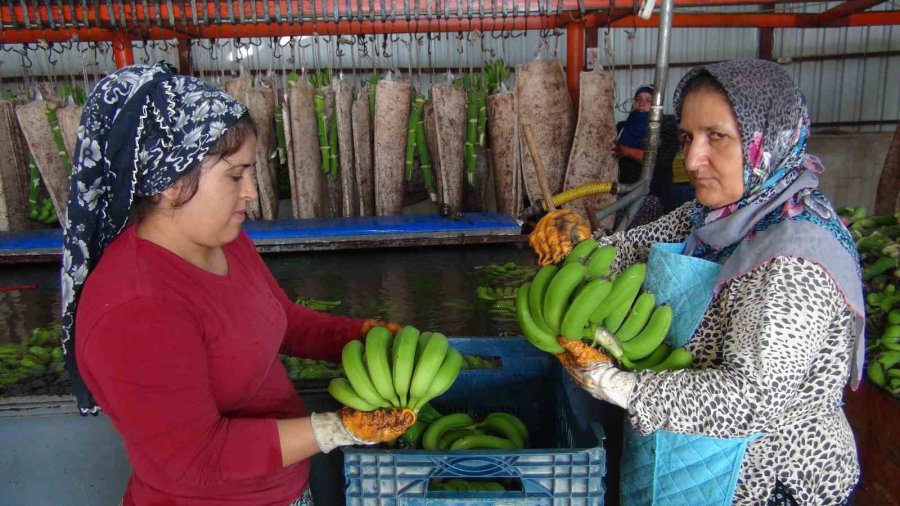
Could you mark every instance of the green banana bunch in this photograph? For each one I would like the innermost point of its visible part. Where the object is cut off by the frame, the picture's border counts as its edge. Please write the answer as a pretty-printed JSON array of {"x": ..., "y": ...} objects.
[
  {"x": 575, "y": 298},
  {"x": 478, "y": 362},
  {"x": 460, "y": 485},
  {"x": 402, "y": 371},
  {"x": 317, "y": 304},
  {"x": 459, "y": 431}
]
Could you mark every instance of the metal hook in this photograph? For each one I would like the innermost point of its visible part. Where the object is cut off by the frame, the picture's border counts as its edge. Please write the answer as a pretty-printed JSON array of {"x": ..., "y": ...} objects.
[
  {"x": 384, "y": 47},
  {"x": 212, "y": 51},
  {"x": 393, "y": 40},
  {"x": 25, "y": 57},
  {"x": 363, "y": 47},
  {"x": 50, "y": 50},
  {"x": 277, "y": 49}
]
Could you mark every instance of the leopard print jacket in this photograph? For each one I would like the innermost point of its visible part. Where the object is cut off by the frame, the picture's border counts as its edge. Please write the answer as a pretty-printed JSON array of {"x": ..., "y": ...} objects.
[{"x": 771, "y": 356}]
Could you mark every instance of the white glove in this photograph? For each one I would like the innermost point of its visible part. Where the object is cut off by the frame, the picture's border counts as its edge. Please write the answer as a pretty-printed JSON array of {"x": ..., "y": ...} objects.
[
  {"x": 330, "y": 432},
  {"x": 605, "y": 381},
  {"x": 352, "y": 427},
  {"x": 596, "y": 373}
]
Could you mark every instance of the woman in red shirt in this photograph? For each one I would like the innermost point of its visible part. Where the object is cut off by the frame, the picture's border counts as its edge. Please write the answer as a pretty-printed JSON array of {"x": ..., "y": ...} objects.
[{"x": 180, "y": 323}]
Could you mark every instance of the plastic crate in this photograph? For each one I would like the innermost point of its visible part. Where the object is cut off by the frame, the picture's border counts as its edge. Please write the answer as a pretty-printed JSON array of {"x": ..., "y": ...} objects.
[{"x": 565, "y": 465}]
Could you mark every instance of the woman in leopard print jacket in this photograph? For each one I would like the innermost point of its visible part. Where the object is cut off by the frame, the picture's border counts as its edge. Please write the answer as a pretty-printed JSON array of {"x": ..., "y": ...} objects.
[{"x": 782, "y": 335}]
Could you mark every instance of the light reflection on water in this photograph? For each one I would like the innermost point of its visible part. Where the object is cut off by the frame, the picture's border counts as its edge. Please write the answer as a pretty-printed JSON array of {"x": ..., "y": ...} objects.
[{"x": 432, "y": 288}]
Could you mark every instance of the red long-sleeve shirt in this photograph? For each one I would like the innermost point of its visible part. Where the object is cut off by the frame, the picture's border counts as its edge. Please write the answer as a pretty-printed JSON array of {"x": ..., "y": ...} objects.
[{"x": 185, "y": 364}]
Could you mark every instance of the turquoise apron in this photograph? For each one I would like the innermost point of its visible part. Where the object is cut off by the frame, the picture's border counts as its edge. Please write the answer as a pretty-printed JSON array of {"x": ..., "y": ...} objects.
[{"x": 671, "y": 469}]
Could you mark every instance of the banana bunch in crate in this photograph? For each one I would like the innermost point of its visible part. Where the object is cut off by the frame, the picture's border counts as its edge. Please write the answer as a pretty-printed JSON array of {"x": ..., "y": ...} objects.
[
  {"x": 579, "y": 299},
  {"x": 460, "y": 431},
  {"x": 402, "y": 371}
]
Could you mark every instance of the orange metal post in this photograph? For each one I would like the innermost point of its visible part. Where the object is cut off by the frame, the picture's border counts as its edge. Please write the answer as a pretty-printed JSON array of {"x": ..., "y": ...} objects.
[
  {"x": 574, "y": 57},
  {"x": 122, "y": 53}
]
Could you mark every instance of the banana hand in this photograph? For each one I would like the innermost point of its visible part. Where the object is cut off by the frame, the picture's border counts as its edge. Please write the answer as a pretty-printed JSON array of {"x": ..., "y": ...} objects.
[
  {"x": 372, "y": 322},
  {"x": 556, "y": 234}
]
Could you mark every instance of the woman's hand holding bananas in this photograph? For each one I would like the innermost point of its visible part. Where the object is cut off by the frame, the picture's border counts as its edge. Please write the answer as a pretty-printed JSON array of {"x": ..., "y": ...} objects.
[
  {"x": 596, "y": 373},
  {"x": 351, "y": 427}
]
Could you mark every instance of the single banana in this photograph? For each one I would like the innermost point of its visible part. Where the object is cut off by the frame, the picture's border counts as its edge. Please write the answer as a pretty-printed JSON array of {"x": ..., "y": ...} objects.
[
  {"x": 413, "y": 436},
  {"x": 637, "y": 317},
  {"x": 540, "y": 338},
  {"x": 378, "y": 342},
  {"x": 538, "y": 289},
  {"x": 457, "y": 485},
  {"x": 516, "y": 421},
  {"x": 652, "y": 336},
  {"x": 443, "y": 378},
  {"x": 427, "y": 366},
  {"x": 355, "y": 369},
  {"x": 343, "y": 392},
  {"x": 584, "y": 304},
  {"x": 661, "y": 353},
  {"x": 420, "y": 345},
  {"x": 556, "y": 300},
  {"x": 503, "y": 428},
  {"x": 405, "y": 344},
  {"x": 624, "y": 290},
  {"x": 452, "y": 435},
  {"x": 680, "y": 358},
  {"x": 600, "y": 261},
  {"x": 483, "y": 442},
  {"x": 582, "y": 251},
  {"x": 439, "y": 427},
  {"x": 493, "y": 486}
]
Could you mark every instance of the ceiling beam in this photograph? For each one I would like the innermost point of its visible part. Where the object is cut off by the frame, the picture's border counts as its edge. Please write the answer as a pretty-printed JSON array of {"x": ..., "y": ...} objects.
[
  {"x": 845, "y": 9},
  {"x": 754, "y": 20}
]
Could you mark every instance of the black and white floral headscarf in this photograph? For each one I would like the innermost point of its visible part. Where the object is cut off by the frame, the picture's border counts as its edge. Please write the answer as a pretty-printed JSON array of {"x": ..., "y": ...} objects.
[{"x": 142, "y": 128}]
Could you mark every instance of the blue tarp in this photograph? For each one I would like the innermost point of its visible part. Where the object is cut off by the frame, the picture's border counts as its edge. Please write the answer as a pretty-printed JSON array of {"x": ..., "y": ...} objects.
[{"x": 298, "y": 231}]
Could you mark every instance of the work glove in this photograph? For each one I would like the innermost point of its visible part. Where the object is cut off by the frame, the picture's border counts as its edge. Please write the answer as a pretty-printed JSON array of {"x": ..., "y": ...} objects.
[
  {"x": 373, "y": 322},
  {"x": 556, "y": 234},
  {"x": 351, "y": 427},
  {"x": 596, "y": 373}
]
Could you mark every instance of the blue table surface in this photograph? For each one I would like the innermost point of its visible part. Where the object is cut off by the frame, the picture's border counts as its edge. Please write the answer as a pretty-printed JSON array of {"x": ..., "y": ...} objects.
[{"x": 288, "y": 230}]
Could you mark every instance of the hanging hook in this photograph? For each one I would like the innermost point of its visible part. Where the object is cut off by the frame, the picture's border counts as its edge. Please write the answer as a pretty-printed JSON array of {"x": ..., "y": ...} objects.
[
  {"x": 277, "y": 50},
  {"x": 49, "y": 49},
  {"x": 25, "y": 57},
  {"x": 384, "y": 46}
]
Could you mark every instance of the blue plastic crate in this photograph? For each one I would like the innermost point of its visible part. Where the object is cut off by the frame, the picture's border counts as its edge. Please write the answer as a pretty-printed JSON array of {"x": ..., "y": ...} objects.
[{"x": 566, "y": 461}]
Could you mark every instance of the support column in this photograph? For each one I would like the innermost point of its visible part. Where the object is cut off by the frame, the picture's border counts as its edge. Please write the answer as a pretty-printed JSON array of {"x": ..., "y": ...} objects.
[
  {"x": 766, "y": 37},
  {"x": 122, "y": 52},
  {"x": 574, "y": 58},
  {"x": 185, "y": 59}
]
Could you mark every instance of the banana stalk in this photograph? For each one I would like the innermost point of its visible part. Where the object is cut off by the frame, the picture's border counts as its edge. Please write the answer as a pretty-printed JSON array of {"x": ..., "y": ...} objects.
[
  {"x": 322, "y": 126},
  {"x": 411, "y": 135},
  {"x": 333, "y": 147},
  {"x": 424, "y": 155},
  {"x": 471, "y": 135}
]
